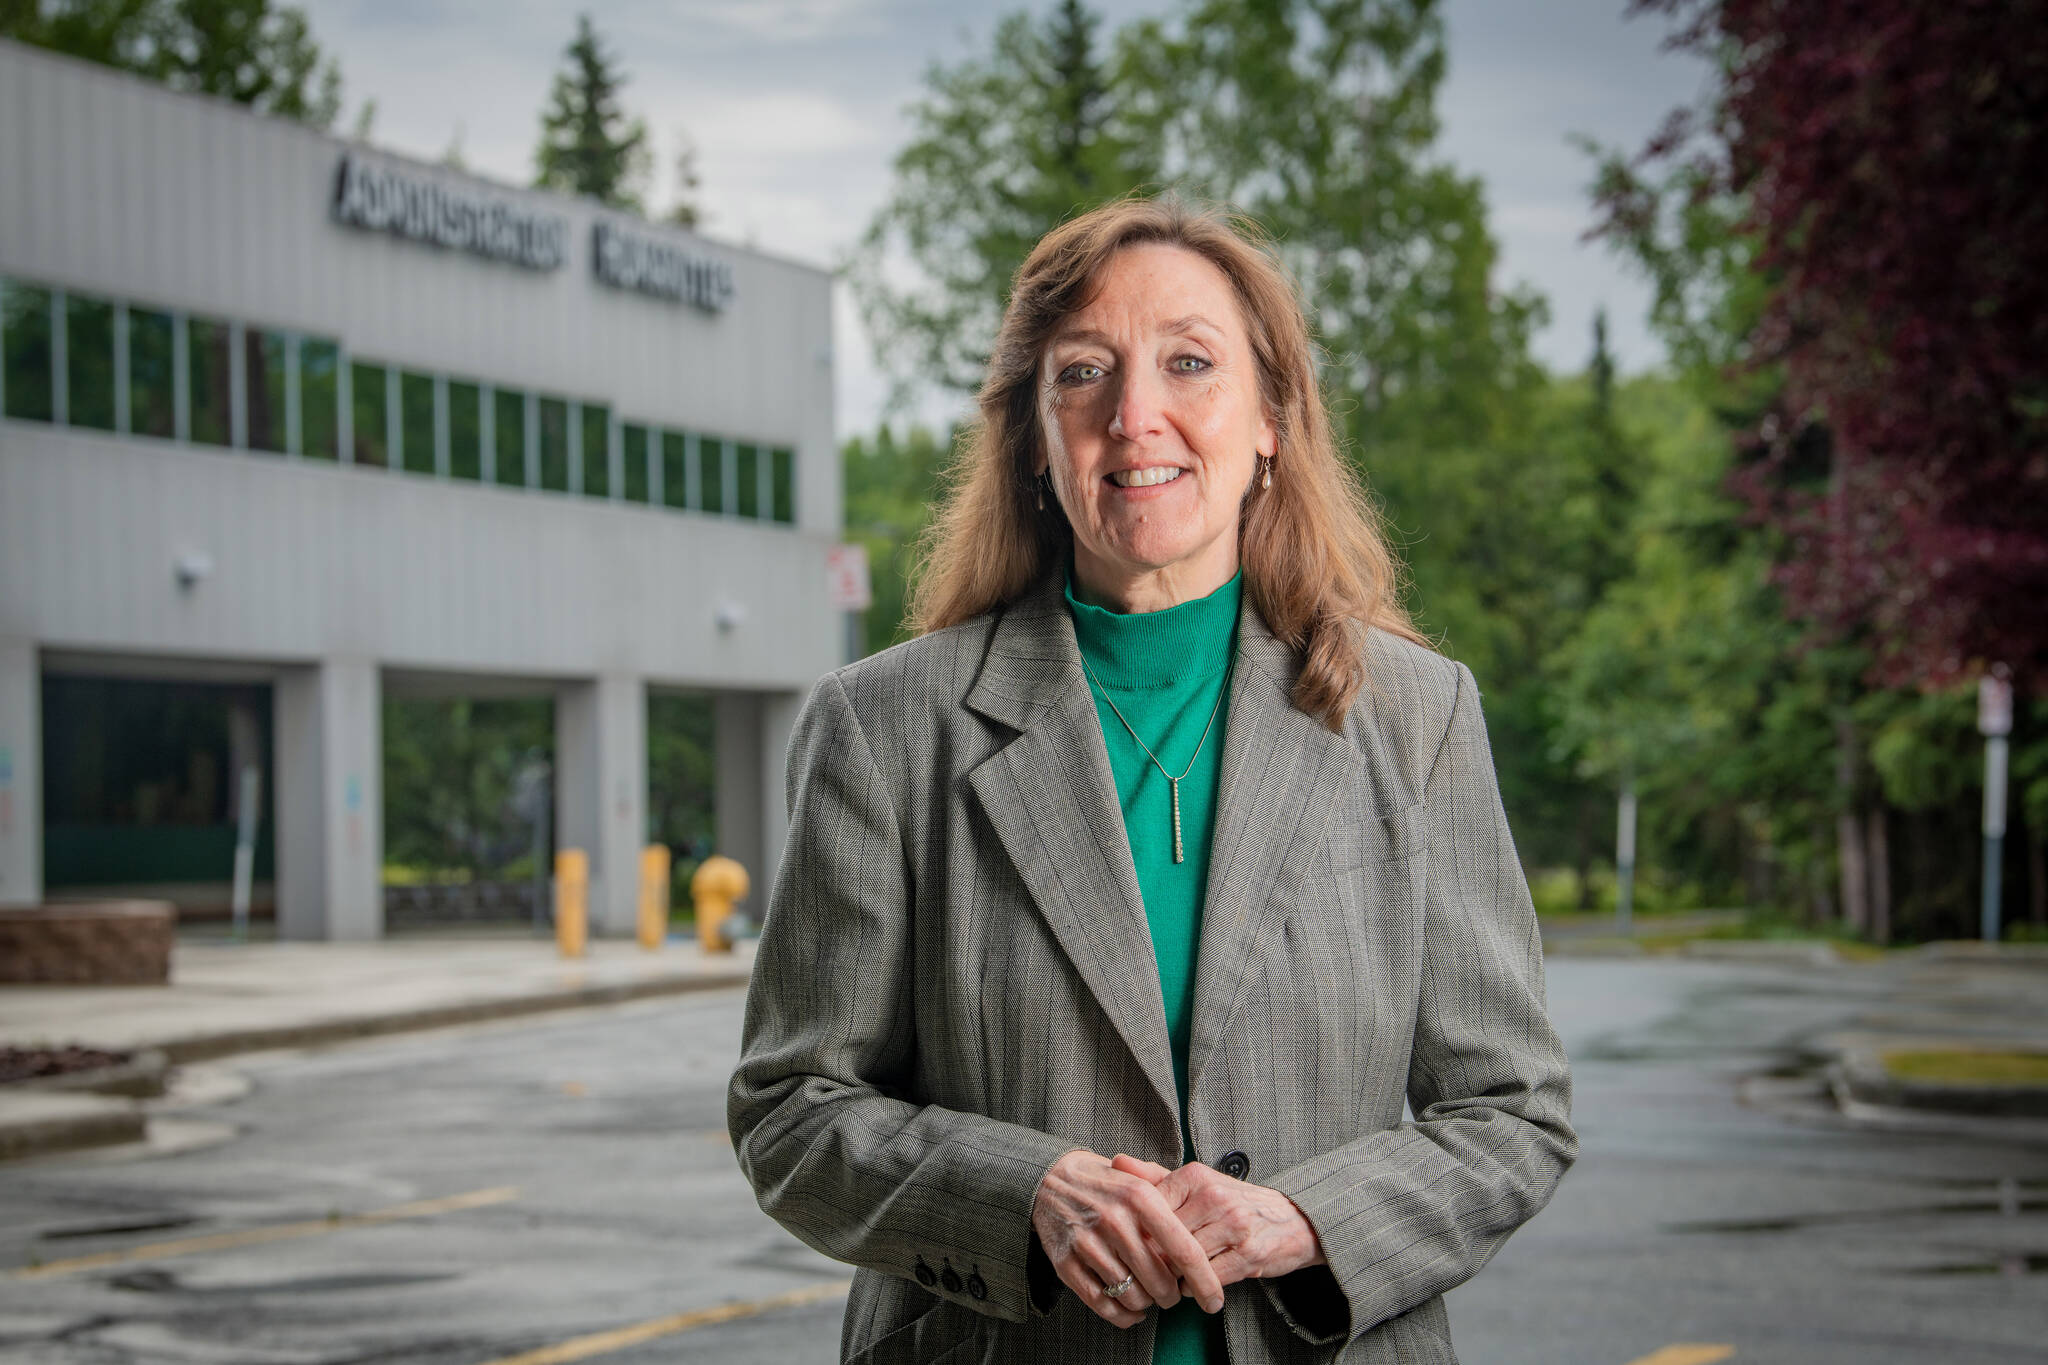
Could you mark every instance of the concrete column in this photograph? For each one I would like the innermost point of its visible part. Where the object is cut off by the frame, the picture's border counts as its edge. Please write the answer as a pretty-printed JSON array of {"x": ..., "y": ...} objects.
[
  {"x": 21, "y": 773},
  {"x": 330, "y": 800},
  {"x": 601, "y": 790},
  {"x": 736, "y": 795},
  {"x": 778, "y": 719},
  {"x": 751, "y": 806}
]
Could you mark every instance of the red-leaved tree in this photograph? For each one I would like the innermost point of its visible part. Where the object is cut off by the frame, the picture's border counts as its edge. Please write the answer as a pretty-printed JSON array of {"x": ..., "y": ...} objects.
[{"x": 1892, "y": 158}]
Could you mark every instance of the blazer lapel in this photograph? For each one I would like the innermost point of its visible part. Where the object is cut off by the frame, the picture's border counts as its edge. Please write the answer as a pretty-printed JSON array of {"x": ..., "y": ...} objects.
[
  {"x": 1051, "y": 798},
  {"x": 1283, "y": 775}
]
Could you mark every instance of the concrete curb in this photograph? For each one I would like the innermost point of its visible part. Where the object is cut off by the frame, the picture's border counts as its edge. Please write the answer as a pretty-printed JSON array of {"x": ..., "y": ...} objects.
[
  {"x": 34, "y": 1123},
  {"x": 1788, "y": 952},
  {"x": 1859, "y": 1076},
  {"x": 205, "y": 1046}
]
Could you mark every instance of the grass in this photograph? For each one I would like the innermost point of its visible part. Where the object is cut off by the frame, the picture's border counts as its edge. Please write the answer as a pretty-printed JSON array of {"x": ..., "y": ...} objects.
[{"x": 1967, "y": 1067}]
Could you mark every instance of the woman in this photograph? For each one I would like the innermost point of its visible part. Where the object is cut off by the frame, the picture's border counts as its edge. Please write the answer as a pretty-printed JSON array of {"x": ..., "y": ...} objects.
[{"x": 1122, "y": 908}]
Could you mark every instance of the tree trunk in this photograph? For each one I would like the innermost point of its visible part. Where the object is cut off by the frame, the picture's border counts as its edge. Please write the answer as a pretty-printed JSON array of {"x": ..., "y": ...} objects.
[
  {"x": 2037, "y": 881},
  {"x": 1878, "y": 847},
  {"x": 1820, "y": 905}
]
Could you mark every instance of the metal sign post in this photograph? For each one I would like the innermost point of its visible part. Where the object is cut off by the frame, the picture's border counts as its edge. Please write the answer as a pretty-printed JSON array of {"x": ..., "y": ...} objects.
[
  {"x": 851, "y": 591},
  {"x": 245, "y": 850},
  {"x": 1994, "y": 722},
  {"x": 1625, "y": 859}
]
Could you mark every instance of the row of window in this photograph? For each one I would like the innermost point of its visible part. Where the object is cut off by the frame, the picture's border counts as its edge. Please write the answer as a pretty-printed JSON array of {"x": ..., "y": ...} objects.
[{"x": 81, "y": 361}]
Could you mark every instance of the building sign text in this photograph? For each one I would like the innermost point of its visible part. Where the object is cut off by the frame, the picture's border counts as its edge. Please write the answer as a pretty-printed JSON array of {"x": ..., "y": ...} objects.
[
  {"x": 422, "y": 208},
  {"x": 626, "y": 259}
]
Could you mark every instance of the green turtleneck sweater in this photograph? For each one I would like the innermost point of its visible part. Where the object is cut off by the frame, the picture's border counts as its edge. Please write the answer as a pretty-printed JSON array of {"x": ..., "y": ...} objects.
[{"x": 1166, "y": 671}]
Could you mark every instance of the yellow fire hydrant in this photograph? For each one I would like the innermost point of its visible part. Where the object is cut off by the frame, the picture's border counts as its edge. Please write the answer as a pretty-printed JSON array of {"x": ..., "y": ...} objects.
[{"x": 716, "y": 884}]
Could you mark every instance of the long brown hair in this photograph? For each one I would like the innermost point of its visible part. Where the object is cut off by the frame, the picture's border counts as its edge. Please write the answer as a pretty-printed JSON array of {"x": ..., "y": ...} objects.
[{"x": 1316, "y": 561}]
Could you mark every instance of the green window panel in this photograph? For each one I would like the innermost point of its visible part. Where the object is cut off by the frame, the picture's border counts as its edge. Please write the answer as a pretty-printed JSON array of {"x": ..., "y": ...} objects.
[
  {"x": 152, "y": 374},
  {"x": 465, "y": 431},
  {"x": 748, "y": 492},
  {"x": 30, "y": 363},
  {"x": 211, "y": 395},
  {"x": 367, "y": 415},
  {"x": 263, "y": 354},
  {"x": 554, "y": 445},
  {"x": 319, "y": 398},
  {"x": 675, "y": 469},
  {"x": 633, "y": 442},
  {"x": 711, "y": 473},
  {"x": 597, "y": 456},
  {"x": 508, "y": 436},
  {"x": 784, "y": 477},
  {"x": 596, "y": 451},
  {"x": 89, "y": 361},
  {"x": 416, "y": 422}
]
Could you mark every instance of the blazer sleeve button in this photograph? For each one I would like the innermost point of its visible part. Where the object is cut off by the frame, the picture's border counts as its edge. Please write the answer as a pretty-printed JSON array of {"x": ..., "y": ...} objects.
[
  {"x": 950, "y": 1279},
  {"x": 977, "y": 1288},
  {"x": 926, "y": 1276},
  {"x": 1236, "y": 1165}
]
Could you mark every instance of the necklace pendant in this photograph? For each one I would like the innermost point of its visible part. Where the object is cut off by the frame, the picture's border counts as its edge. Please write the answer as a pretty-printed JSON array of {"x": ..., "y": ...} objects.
[{"x": 1174, "y": 784}]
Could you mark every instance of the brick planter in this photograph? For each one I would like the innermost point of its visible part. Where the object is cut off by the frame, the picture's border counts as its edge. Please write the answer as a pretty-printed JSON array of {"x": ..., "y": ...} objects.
[{"x": 102, "y": 943}]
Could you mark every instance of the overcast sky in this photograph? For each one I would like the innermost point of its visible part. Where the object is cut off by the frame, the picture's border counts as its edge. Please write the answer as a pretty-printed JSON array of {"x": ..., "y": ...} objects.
[{"x": 796, "y": 107}]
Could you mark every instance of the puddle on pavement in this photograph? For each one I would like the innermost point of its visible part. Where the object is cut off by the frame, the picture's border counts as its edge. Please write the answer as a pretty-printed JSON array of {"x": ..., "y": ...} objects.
[
  {"x": 115, "y": 1227},
  {"x": 2002, "y": 1266},
  {"x": 1993, "y": 1203},
  {"x": 152, "y": 1281}
]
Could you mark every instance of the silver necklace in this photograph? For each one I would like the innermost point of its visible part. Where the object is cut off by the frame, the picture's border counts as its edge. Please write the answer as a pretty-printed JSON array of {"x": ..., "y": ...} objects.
[{"x": 1172, "y": 782}]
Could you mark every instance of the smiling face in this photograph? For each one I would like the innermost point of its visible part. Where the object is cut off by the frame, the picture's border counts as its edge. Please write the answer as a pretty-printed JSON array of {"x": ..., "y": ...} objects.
[{"x": 1153, "y": 427}]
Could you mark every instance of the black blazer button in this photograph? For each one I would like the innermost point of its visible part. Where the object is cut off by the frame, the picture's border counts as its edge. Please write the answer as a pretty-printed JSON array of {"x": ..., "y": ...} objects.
[
  {"x": 1236, "y": 1165},
  {"x": 977, "y": 1288},
  {"x": 950, "y": 1279},
  {"x": 926, "y": 1276}
]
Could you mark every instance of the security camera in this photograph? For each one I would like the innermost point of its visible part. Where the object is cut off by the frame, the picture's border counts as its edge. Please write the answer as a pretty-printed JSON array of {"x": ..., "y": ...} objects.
[{"x": 192, "y": 566}]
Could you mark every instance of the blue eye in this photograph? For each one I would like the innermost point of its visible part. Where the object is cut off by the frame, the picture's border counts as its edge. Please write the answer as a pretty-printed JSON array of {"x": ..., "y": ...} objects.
[
  {"x": 1193, "y": 360},
  {"x": 1073, "y": 372}
]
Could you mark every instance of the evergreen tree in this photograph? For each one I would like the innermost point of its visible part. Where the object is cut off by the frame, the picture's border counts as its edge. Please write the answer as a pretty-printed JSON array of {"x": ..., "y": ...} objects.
[
  {"x": 685, "y": 212},
  {"x": 588, "y": 144}
]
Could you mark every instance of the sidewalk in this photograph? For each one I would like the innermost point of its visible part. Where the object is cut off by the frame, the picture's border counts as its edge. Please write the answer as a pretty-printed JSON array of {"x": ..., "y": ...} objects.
[{"x": 226, "y": 998}]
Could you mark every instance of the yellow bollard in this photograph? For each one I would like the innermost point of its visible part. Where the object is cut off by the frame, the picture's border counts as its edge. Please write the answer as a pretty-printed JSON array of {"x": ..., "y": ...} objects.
[
  {"x": 717, "y": 883},
  {"x": 653, "y": 896},
  {"x": 572, "y": 901}
]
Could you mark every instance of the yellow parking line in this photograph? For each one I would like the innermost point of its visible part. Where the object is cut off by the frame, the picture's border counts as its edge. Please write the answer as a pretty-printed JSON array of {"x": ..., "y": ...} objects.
[
  {"x": 222, "y": 1241},
  {"x": 619, "y": 1338},
  {"x": 1686, "y": 1354}
]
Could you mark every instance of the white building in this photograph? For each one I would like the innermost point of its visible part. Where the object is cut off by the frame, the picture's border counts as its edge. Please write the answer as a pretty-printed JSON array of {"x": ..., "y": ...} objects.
[{"x": 286, "y": 411}]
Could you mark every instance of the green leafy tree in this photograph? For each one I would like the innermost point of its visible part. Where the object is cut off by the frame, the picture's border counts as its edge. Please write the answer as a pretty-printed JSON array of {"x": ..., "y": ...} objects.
[
  {"x": 1318, "y": 120},
  {"x": 1005, "y": 148},
  {"x": 588, "y": 144},
  {"x": 890, "y": 486},
  {"x": 250, "y": 51}
]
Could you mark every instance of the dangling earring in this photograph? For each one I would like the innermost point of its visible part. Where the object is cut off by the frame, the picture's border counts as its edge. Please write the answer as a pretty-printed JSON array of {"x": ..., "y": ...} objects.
[
  {"x": 1267, "y": 481},
  {"x": 1038, "y": 482}
]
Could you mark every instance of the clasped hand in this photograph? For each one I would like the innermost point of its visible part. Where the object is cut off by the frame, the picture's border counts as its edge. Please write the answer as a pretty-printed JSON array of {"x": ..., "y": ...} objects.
[{"x": 1187, "y": 1232}]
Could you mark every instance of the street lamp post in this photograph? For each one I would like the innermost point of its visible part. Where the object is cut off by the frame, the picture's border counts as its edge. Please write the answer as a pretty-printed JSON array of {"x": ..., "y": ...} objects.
[
  {"x": 1625, "y": 857},
  {"x": 1994, "y": 722}
]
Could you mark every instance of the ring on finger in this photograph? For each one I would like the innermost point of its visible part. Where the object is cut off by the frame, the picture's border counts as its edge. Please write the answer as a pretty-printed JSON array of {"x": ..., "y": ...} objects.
[{"x": 1113, "y": 1291}]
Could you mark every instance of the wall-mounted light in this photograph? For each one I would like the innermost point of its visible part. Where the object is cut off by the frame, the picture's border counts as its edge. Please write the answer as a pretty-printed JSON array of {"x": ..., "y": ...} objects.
[{"x": 190, "y": 567}]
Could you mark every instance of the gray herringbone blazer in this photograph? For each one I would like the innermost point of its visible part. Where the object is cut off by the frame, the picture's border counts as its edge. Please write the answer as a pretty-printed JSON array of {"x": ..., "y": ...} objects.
[{"x": 955, "y": 986}]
